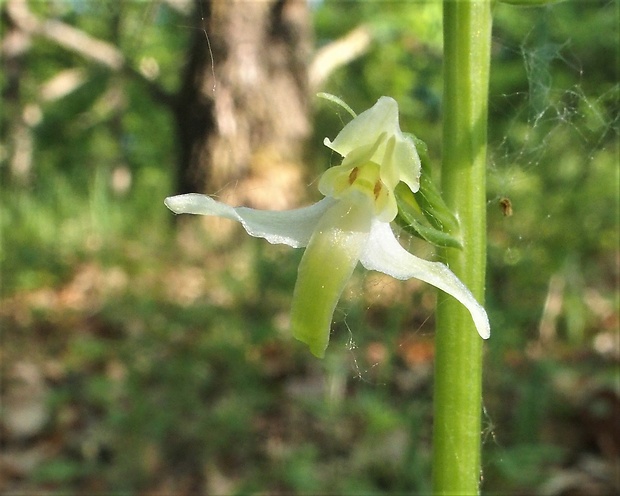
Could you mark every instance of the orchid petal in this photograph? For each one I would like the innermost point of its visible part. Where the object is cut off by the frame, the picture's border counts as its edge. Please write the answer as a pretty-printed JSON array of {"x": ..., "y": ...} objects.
[
  {"x": 401, "y": 159},
  {"x": 404, "y": 157},
  {"x": 327, "y": 265},
  {"x": 291, "y": 227},
  {"x": 385, "y": 254}
]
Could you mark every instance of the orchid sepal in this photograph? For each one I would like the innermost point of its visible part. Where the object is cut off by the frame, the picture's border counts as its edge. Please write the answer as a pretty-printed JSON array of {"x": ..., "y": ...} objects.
[{"x": 290, "y": 227}]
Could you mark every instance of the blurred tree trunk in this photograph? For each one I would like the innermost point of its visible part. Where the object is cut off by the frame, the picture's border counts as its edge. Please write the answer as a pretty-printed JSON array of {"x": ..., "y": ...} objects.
[
  {"x": 243, "y": 110},
  {"x": 18, "y": 133}
]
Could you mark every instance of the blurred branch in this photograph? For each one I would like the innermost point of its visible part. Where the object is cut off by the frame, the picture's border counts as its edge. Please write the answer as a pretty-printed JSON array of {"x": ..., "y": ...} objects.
[
  {"x": 547, "y": 327},
  {"x": 182, "y": 6},
  {"x": 338, "y": 53},
  {"x": 79, "y": 42},
  {"x": 66, "y": 36},
  {"x": 22, "y": 144},
  {"x": 61, "y": 84},
  {"x": 18, "y": 134}
]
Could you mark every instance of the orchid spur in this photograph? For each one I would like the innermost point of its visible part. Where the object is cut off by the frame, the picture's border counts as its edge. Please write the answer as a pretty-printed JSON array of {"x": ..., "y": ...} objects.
[{"x": 350, "y": 225}]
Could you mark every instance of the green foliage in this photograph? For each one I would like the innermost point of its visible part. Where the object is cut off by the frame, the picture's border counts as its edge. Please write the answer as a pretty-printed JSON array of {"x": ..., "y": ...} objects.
[{"x": 167, "y": 355}]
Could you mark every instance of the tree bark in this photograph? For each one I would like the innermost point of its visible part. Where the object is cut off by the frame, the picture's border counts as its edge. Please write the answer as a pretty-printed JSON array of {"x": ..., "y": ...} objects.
[{"x": 243, "y": 107}]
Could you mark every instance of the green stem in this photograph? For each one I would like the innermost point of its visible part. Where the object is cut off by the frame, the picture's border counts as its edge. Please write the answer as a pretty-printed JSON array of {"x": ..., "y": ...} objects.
[{"x": 458, "y": 361}]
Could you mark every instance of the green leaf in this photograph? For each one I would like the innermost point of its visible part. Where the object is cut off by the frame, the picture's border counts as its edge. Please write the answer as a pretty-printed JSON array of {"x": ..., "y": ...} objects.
[
  {"x": 424, "y": 213},
  {"x": 337, "y": 101},
  {"x": 419, "y": 144},
  {"x": 432, "y": 205},
  {"x": 429, "y": 234},
  {"x": 411, "y": 217}
]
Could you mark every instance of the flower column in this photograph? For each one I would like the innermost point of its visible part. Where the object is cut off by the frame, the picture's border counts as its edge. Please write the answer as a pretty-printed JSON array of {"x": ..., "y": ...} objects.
[{"x": 458, "y": 362}]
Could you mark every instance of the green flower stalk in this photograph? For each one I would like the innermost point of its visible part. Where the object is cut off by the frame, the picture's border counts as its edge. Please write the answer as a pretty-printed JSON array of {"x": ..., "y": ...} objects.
[
  {"x": 458, "y": 355},
  {"x": 350, "y": 225}
]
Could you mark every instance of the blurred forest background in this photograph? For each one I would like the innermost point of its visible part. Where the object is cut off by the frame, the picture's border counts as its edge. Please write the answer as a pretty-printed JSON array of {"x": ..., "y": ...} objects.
[{"x": 143, "y": 354}]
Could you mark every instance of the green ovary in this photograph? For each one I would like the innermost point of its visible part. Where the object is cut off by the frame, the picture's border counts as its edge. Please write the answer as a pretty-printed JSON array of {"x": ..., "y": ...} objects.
[{"x": 327, "y": 265}]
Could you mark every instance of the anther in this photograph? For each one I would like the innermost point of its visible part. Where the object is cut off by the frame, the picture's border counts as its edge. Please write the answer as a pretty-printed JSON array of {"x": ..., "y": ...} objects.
[
  {"x": 353, "y": 175},
  {"x": 377, "y": 189}
]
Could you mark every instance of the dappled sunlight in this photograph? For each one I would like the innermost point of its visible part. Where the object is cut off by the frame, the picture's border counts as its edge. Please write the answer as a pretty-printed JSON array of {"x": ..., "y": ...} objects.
[{"x": 145, "y": 353}]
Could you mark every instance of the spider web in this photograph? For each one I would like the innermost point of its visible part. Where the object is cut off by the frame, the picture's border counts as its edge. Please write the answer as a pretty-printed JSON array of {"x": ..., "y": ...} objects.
[{"x": 556, "y": 107}]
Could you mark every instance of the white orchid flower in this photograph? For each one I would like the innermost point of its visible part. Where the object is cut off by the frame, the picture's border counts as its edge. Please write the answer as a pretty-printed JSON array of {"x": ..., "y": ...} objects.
[{"x": 350, "y": 225}]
